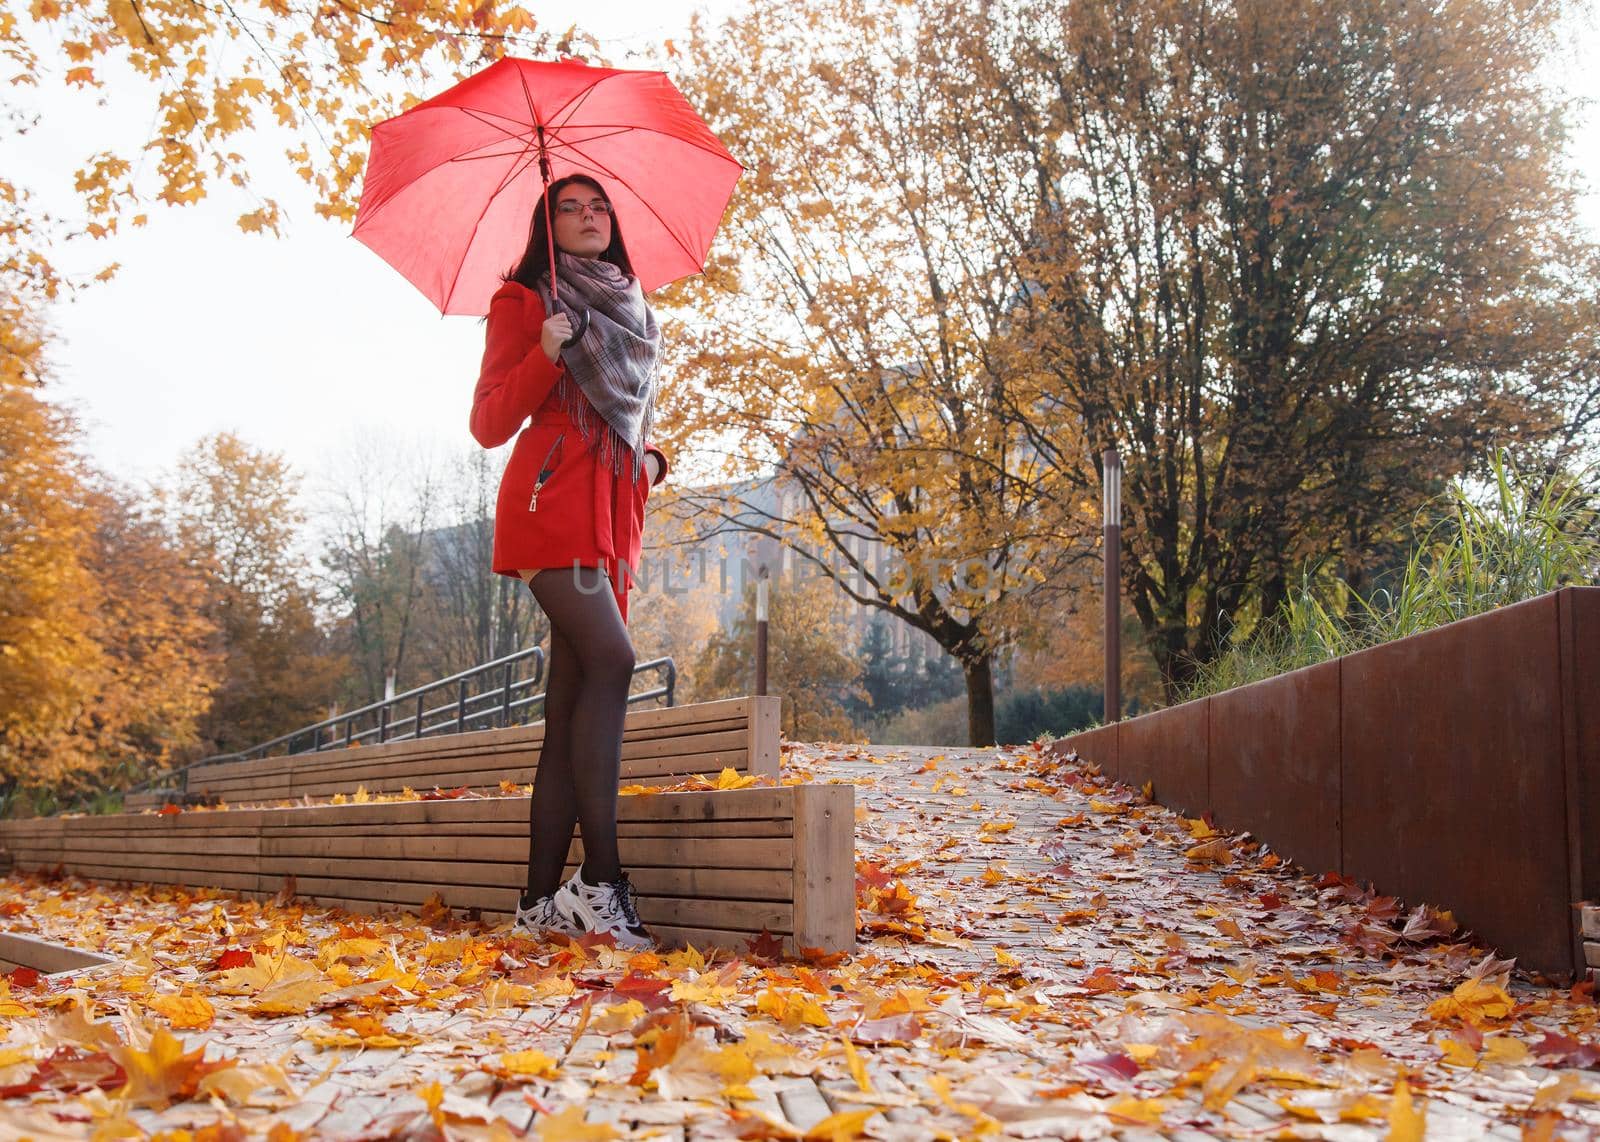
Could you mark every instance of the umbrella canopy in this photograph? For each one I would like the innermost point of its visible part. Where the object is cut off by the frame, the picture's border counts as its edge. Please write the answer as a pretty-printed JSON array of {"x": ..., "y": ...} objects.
[{"x": 451, "y": 184}]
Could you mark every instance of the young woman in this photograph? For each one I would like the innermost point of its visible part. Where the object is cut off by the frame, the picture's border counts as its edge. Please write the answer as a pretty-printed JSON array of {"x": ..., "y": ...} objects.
[{"x": 567, "y": 522}]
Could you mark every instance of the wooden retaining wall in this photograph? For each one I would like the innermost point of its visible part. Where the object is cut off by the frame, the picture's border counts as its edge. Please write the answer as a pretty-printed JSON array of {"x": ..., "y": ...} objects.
[
  {"x": 659, "y": 746},
  {"x": 710, "y": 868},
  {"x": 1460, "y": 767}
]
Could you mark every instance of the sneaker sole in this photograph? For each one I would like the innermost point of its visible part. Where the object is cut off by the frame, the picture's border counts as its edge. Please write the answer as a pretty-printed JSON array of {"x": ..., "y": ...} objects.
[{"x": 578, "y": 910}]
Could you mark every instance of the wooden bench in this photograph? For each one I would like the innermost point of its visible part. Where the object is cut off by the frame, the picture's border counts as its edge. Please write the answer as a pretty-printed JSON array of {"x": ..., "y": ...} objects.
[
  {"x": 711, "y": 868},
  {"x": 659, "y": 746}
]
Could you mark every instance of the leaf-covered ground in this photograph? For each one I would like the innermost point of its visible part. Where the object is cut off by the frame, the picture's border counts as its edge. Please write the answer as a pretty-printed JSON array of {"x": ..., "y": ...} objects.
[{"x": 1042, "y": 954}]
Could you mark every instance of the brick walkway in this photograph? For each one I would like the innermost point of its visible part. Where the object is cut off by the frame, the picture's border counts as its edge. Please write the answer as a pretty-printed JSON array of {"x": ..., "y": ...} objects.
[{"x": 1043, "y": 956}]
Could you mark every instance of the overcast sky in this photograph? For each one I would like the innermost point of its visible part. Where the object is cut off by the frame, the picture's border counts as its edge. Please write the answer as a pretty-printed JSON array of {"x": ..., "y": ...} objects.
[{"x": 301, "y": 344}]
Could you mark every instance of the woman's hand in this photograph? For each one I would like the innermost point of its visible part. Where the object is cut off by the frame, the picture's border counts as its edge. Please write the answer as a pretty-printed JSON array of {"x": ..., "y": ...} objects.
[
  {"x": 652, "y": 466},
  {"x": 554, "y": 335}
]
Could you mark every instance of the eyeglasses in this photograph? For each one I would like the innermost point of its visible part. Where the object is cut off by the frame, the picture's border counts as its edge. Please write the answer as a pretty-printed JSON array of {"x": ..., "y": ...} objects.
[{"x": 598, "y": 206}]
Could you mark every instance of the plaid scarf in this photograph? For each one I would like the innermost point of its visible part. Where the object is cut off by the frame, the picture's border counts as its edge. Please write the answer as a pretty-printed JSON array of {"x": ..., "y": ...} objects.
[{"x": 613, "y": 363}]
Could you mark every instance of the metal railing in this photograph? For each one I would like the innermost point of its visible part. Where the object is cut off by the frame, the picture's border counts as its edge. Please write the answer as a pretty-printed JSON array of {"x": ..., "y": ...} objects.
[{"x": 491, "y": 696}]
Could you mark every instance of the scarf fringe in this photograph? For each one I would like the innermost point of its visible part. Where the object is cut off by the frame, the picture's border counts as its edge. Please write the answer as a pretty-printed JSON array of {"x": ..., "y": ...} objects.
[{"x": 613, "y": 450}]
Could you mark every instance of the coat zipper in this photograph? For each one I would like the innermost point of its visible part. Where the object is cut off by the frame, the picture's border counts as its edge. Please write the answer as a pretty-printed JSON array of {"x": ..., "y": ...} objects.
[{"x": 544, "y": 473}]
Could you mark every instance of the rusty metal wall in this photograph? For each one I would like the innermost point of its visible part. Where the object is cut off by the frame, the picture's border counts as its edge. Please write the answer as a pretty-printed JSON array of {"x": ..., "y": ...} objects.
[
  {"x": 1275, "y": 764},
  {"x": 1459, "y": 767}
]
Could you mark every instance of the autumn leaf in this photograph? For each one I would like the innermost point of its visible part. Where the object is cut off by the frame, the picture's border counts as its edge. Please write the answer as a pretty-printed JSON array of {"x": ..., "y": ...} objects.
[
  {"x": 1406, "y": 1123},
  {"x": 185, "y": 1012},
  {"x": 1473, "y": 1002},
  {"x": 161, "y": 1073},
  {"x": 845, "y": 1126},
  {"x": 523, "y": 1065},
  {"x": 569, "y": 1126}
]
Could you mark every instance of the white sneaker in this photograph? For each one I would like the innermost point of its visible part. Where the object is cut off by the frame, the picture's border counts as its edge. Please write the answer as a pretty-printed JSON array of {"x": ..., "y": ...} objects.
[
  {"x": 541, "y": 917},
  {"x": 604, "y": 908}
]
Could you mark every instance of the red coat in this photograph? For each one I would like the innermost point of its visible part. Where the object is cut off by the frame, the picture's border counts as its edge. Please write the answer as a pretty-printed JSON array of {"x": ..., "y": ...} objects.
[{"x": 584, "y": 515}]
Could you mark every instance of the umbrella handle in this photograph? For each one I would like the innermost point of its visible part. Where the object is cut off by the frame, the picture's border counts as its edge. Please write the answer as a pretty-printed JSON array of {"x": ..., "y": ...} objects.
[{"x": 583, "y": 325}]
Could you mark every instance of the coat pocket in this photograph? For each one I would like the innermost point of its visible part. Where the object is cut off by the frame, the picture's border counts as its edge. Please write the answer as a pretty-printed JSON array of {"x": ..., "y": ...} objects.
[{"x": 547, "y": 468}]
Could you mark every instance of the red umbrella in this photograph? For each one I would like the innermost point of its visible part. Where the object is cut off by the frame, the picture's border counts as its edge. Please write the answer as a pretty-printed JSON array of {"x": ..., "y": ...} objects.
[{"x": 451, "y": 184}]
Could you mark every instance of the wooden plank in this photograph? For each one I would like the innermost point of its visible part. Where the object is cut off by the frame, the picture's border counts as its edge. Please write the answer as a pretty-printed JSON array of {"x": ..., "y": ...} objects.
[
  {"x": 189, "y": 878},
  {"x": 757, "y": 803},
  {"x": 472, "y": 846},
  {"x": 197, "y": 846},
  {"x": 134, "y": 864},
  {"x": 763, "y": 748},
  {"x": 429, "y": 774},
  {"x": 643, "y": 852},
  {"x": 824, "y": 867}
]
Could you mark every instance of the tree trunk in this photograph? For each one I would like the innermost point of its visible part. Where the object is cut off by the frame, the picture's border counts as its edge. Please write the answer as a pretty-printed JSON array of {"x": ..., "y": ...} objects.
[{"x": 980, "y": 700}]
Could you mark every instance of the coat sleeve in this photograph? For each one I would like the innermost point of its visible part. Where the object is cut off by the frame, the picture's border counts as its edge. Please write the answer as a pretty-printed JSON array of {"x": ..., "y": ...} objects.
[
  {"x": 660, "y": 455},
  {"x": 515, "y": 376}
]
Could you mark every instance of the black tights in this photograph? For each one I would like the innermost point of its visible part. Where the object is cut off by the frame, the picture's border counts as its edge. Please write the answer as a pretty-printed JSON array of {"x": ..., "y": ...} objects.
[{"x": 586, "y": 700}]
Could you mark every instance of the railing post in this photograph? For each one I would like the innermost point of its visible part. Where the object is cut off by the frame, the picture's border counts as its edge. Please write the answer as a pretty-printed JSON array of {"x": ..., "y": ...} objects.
[
  {"x": 383, "y": 722},
  {"x": 761, "y": 631},
  {"x": 418, "y": 726},
  {"x": 505, "y": 699},
  {"x": 461, "y": 706},
  {"x": 1111, "y": 495}
]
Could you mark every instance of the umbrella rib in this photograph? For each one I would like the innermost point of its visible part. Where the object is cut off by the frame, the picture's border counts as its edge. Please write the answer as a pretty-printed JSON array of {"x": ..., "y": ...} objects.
[
  {"x": 570, "y": 107},
  {"x": 622, "y": 128},
  {"x": 484, "y": 117},
  {"x": 646, "y": 202},
  {"x": 488, "y": 202}
]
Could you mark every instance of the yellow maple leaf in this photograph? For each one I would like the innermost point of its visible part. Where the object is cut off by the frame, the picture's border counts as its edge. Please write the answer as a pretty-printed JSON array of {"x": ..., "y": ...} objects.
[
  {"x": 281, "y": 984},
  {"x": 1506, "y": 1050},
  {"x": 527, "y": 1064},
  {"x": 1473, "y": 1002},
  {"x": 1142, "y": 1111},
  {"x": 569, "y": 1126},
  {"x": 160, "y": 1073},
  {"x": 239, "y": 1084},
  {"x": 858, "y": 1069},
  {"x": 730, "y": 779},
  {"x": 432, "y": 1096},
  {"x": 842, "y": 1127},
  {"x": 185, "y": 1012},
  {"x": 1406, "y": 1123},
  {"x": 791, "y": 1009},
  {"x": 1362, "y": 1109},
  {"x": 619, "y": 1016}
]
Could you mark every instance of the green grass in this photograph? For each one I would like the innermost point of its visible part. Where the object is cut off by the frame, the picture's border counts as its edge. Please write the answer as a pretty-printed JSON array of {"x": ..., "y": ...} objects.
[{"x": 1520, "y": 537}]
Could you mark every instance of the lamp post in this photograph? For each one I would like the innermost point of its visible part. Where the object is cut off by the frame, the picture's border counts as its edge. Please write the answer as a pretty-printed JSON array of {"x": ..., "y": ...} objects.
[
  {"x": 761, "y": 631},
  {"x": 1111, "y": 496}
]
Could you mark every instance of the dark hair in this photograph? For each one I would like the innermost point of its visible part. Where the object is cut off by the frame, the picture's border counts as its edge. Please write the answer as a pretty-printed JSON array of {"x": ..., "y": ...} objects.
[{"x": 536, "y": 258}]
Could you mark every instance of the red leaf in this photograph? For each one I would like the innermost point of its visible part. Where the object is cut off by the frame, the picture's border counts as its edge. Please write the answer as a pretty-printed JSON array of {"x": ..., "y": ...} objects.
[
  {"x": 23, "y": 977},
  {"x": 233, "y": 958},
  {"x": 1112, "y": 1066},
  {"x": 1271, "y": 901},
  {"x": 168, "y": 811},
  {"x": 12, "y": 908},
  {"x": 649, "y": 990},
  {"x": 1565, "y": 1050},
  {"x": 1101, "y": 979},
  {"x": 765, "y": 946},
  {"x": 870, "y": 875},
  {"x": 445, "y": 794}
]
